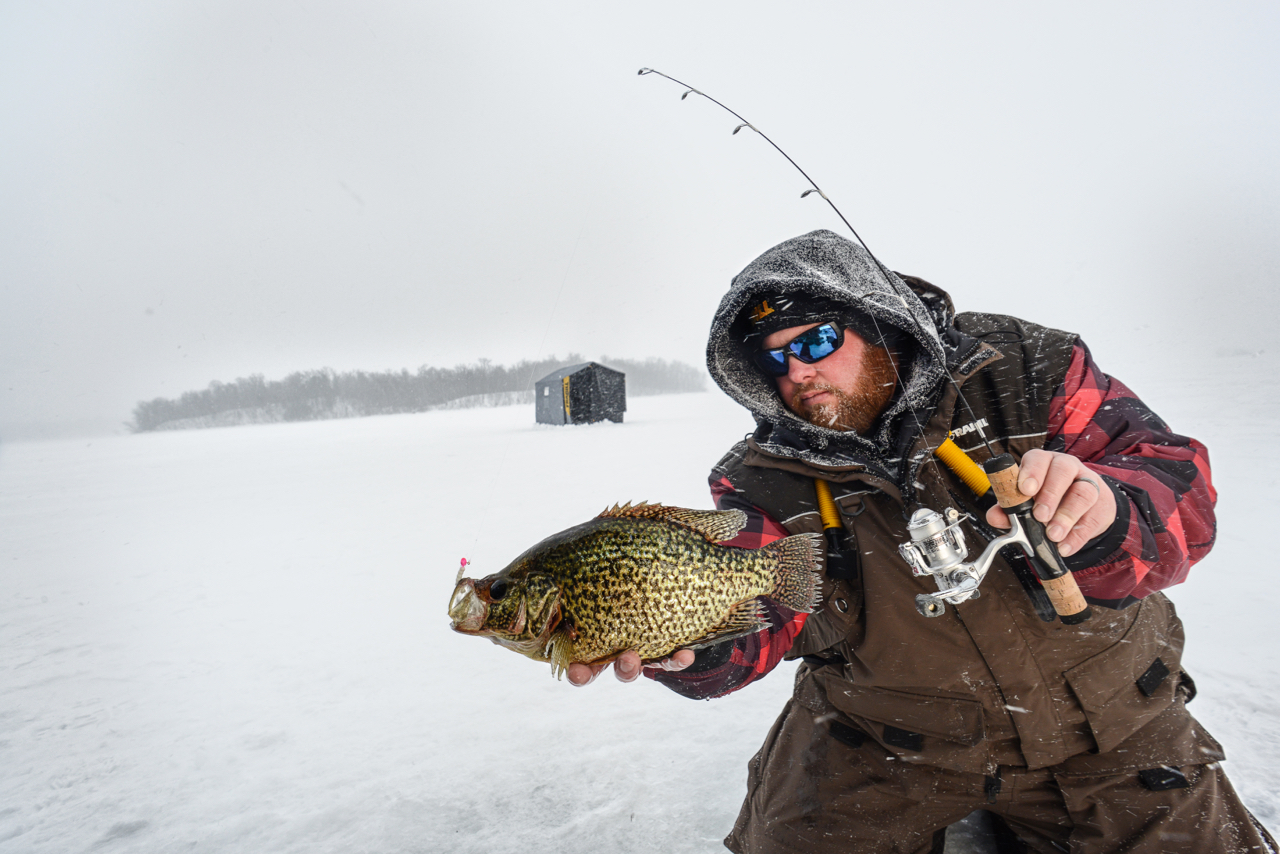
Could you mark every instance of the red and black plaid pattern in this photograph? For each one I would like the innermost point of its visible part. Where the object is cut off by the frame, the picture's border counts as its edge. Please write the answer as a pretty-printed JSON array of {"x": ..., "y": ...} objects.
[
  {"x": 759, "y": 530},
  {"x": 727, "y": 667},
  {"x": 1094, "y": 417},
  {"x": 1165, "y": 476}
]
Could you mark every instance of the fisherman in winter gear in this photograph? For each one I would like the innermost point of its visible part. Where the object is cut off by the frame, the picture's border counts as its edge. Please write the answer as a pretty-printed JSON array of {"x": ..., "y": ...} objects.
[{"x": 1076, "y": 736}]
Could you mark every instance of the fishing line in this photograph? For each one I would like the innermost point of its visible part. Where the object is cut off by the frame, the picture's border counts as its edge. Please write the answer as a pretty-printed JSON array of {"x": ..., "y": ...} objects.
[
  {"x": 884, "y": 272},
  {"x": 563, "y": 280},
  {"x": 813, "y": 185}
]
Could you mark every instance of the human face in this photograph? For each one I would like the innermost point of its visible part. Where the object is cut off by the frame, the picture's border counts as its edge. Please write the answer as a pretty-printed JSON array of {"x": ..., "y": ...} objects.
[{"x": 844, "y": 391}]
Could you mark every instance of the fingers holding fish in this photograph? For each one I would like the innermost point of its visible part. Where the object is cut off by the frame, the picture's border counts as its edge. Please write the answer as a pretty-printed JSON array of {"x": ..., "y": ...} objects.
[
  {"x": 580, "y": 675},
  {"x": 627, "y": 667},
  {"x": 678, "y": 660}
]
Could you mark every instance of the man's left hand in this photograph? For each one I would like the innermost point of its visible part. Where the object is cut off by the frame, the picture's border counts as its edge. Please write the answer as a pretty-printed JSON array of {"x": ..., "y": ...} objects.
[
  {"x": 627, "y": 667},
  {"x": 1072, "y": 501}
]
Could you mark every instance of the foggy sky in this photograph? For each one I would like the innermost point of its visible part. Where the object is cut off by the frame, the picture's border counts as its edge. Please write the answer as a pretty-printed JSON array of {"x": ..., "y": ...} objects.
[{"x": 200, "y": 191}]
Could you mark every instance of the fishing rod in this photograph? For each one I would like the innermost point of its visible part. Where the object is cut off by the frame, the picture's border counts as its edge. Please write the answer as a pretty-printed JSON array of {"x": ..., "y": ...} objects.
[
  {"x": 813, "y": 185},
  {"x": 814, "y": 188},
  {"x": 937, "y": 546}
]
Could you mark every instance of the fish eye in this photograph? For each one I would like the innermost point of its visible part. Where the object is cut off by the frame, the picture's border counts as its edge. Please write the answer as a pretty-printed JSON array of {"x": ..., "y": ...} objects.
[{"x": 498, "y": 589}]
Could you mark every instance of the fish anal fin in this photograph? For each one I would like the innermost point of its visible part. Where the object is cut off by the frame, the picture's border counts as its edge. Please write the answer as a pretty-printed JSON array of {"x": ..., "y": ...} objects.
[
  {"x": 744, "y": 618},
  {"x": 716, "y": 525}
]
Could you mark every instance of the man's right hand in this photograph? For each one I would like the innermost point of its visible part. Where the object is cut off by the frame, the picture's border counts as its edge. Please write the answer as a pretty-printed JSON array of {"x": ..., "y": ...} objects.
[{"x": 627, "y": 667}]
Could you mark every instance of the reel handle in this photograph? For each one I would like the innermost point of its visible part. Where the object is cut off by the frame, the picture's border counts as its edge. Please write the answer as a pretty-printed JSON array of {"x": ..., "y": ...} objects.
[{"x": 1057, "y": 580}]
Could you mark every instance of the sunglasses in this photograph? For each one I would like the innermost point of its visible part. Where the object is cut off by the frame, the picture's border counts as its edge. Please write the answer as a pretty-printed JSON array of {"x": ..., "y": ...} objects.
[{"x": 809, "y": 346}]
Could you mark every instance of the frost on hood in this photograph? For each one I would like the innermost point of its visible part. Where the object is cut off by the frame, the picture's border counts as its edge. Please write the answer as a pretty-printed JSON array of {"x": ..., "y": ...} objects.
[{"x": 824, "y": 264}]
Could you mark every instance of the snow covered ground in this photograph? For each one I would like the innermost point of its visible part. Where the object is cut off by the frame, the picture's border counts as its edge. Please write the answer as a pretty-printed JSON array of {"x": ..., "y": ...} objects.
[{"x": 235, "y": 639}]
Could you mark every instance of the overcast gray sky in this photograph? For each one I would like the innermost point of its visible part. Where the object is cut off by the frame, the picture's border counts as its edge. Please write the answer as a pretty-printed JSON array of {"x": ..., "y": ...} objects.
[{"x": 198, "y": 191}]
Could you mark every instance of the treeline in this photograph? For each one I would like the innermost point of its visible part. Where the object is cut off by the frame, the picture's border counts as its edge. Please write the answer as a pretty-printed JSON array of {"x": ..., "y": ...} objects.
[{"x": 325, "y": 393}]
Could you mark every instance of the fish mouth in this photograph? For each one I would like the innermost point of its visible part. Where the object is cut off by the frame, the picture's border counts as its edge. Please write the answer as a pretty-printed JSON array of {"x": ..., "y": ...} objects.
[{"x": 466, "y": 609}]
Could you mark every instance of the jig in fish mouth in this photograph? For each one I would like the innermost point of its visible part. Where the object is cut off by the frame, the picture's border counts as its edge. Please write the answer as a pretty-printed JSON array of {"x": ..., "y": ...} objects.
[
  {"x": 469, "y": 608},
  {"x": 466, "y": 609}
]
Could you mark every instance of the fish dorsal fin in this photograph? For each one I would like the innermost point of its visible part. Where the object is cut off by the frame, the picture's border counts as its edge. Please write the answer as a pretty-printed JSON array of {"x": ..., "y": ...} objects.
[{"x": 716, "y": 525}]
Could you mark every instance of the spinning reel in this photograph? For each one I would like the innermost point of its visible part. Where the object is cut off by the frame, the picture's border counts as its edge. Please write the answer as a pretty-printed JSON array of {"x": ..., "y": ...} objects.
[{"x": 937, "y": 548}]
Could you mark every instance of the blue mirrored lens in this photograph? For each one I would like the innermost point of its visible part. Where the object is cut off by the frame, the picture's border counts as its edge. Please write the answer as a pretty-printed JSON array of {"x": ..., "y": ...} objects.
[
  {"x": 772, "y": 362},
  {"x": 809, "y": 347},
  {"x": 817, "y": 343}
]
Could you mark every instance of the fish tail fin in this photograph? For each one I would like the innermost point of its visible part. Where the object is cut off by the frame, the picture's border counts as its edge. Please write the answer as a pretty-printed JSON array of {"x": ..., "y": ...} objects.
[{"x": 799, "y": 568}]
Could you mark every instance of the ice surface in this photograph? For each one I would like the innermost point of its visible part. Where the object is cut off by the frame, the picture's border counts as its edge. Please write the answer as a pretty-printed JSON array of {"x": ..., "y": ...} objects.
[{"x": 235, "y": 640}]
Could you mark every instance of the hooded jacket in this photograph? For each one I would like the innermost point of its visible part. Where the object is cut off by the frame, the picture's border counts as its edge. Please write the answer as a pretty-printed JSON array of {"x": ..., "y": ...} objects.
[
  {"x": 824, "y": 265},
  {"x": 989, "y": 682}
]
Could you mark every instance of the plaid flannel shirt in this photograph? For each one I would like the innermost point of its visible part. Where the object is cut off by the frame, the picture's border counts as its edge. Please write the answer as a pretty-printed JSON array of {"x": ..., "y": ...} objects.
[{"x": 1165, "y": 521}]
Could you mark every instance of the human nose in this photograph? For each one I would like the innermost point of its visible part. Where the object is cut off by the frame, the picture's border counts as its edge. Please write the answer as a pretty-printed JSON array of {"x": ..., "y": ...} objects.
[{"x": 799, "y": 372}]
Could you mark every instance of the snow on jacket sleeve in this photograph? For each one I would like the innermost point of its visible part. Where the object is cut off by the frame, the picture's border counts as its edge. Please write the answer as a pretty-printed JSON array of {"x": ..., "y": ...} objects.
[
  {"x": 1164, "y": 495},
  {"x": 725, "y": 667}
]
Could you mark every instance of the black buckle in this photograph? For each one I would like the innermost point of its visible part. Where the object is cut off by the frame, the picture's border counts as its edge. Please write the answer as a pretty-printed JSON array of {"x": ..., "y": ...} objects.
[
  {"x": 902, "y": 738},
  {"x": 991, "y": 786},
  {"x": 845, "y": 734},
  {"x": 1163, "y": 778},
  {"x": 1150, "y": 681}
]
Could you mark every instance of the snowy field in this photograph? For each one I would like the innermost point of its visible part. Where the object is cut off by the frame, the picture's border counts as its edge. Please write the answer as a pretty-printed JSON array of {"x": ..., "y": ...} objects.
[{"x": 236, "y": 640}]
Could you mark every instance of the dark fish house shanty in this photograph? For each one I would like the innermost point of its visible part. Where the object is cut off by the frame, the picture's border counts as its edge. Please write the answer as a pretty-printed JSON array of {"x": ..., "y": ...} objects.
[{"x": 581, "y": 394}]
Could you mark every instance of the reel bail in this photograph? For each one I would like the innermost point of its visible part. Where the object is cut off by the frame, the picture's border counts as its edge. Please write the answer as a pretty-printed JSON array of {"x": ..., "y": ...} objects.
[{"x": 937, "y": 548}]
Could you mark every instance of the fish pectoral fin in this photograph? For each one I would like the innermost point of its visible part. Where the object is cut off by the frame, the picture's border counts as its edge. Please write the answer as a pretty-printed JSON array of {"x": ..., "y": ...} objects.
[
  {"x": 744, "y": 618},
  {"x": 716, "y": 525},
  {"x": 560, "y": 649}
]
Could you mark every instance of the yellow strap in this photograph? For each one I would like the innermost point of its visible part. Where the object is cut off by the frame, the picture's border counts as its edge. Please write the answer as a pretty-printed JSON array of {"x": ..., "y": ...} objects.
[
  {"x": 969, "y": 471},
  {"x": 827, "y": 505},
  {"x": 949, "y": 452}
]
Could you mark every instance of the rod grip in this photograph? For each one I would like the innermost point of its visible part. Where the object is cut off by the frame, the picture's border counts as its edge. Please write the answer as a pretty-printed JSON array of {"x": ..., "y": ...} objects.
[
  {"x": 1067, "y": 599},
  {"x": 1057, "y": 580},
  {"x": 1002, "y": 471}
]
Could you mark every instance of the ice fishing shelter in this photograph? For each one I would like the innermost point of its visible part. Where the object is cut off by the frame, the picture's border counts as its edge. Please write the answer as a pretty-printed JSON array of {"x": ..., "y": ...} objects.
[{"x": 581, "y": 394}]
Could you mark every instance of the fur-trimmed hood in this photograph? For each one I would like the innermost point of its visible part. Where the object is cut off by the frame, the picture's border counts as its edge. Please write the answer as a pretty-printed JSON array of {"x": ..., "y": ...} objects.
[{"x": 824, "y": 264}]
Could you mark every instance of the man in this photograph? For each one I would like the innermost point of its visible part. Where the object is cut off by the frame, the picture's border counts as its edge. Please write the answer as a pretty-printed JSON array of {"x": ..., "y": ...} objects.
[{"x": 1077, "y": 736}]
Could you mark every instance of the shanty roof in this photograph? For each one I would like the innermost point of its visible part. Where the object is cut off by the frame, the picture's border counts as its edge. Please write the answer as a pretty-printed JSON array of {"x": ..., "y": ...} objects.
[{"x": 573, "y": 369}]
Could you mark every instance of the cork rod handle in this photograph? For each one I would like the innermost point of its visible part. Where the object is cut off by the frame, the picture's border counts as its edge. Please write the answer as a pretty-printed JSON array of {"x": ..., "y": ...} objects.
[
  {"x": 1057, "y": 580},
  {"x": 1005, "y": 483}
]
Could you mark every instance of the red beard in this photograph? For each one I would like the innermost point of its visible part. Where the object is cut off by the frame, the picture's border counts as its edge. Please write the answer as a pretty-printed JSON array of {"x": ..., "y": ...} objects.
[{"x": 855, "y": 409}]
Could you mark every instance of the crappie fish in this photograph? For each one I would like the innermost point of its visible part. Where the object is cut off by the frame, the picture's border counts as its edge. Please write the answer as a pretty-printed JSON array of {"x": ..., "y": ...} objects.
[{"x": 646, "y": 577}]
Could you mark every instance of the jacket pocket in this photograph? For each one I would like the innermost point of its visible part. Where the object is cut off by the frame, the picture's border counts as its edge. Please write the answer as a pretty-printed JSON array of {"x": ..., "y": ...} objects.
[
  {"x": 1124, "y": 687},
  {"x": 950, "y": 719}
]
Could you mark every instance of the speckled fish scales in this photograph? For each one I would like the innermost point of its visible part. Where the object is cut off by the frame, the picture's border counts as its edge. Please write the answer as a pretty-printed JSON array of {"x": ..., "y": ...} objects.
[{"x": 647, "y": 577}]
